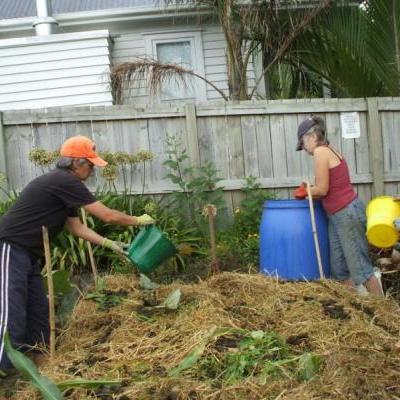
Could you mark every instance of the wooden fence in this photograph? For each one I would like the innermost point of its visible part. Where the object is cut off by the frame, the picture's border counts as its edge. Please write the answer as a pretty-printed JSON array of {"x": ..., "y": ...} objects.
[{"x": 240, "y": 139}]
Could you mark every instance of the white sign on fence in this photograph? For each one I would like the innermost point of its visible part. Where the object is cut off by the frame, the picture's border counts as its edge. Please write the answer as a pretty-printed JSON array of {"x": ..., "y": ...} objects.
[{"x": 350, "y": 125}]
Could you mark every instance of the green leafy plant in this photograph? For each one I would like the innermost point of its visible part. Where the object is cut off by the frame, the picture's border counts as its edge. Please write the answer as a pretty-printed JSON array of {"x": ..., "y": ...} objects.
[
  {"x": 106, "y": 298},
  {"x": 248, "y": 215},
  {"x": 241, "y": 239},
  {"x": 259, "y": 350},
  {"x": 8, "y": 202},
  {"x": 197, "y": 186},
  {"x": 195, "y": 354},
  {"x": 188, "y": 240},
  {"x": 69, "y": 252},
  {"x": 258, "y": 354},
  {"x": 47, "y": 388},
  {"x": 27, "y": 368},
  {"x": 308, "y": 366}
]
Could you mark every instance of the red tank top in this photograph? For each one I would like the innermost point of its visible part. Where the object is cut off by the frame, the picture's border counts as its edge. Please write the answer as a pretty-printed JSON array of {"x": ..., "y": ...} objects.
[{"x": 340, "y": 192}]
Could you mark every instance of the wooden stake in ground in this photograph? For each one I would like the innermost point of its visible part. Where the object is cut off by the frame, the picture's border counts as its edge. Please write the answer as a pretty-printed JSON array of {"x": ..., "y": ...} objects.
[
  {"x": 211, "y": 211},
  {"x": 314, "y": 230},
  {"x": 52, "y": 314},
  {"x": 90, "y": 250}
]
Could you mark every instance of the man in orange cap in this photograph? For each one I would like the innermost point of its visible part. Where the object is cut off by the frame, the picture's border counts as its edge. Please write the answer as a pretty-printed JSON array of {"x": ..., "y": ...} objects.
[{"x": 51, "y": 200}]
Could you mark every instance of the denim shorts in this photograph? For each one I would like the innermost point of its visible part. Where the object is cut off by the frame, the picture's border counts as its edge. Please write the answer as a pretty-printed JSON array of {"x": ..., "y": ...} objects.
[{"x": 348, "y": 244}]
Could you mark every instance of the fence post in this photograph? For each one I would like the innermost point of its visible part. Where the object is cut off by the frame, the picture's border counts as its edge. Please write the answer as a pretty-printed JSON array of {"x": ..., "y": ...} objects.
[
  {"x": 375, "y": 143},
  {"x": 191, "y": 129},
  {"x": 3, "y": 161}
]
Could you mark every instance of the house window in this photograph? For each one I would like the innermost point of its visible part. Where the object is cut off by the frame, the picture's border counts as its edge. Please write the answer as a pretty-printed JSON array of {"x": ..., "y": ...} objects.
[
  {"x": 183, "y": 49},
  {"x": 177, "y": 53}
]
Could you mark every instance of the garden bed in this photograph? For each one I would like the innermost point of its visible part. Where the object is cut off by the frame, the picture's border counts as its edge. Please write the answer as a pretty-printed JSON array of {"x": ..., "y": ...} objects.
[{"x": 351, "y": 344}]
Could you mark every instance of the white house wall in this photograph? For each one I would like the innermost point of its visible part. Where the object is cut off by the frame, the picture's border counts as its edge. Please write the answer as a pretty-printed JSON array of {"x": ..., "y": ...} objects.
[
  {"x": 130, "y": 44},
  {"x": 56, "y": 70}
]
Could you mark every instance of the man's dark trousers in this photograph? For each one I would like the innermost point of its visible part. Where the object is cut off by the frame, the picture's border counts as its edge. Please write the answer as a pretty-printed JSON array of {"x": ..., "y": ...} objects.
[{"x": 24, "y": 310}]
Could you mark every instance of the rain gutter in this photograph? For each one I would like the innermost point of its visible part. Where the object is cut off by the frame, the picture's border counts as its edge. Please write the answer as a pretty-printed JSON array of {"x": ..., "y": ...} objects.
[{"x": 103, "y": 16}]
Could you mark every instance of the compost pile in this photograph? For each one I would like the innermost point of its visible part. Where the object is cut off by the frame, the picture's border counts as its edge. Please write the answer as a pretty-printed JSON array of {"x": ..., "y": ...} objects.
[{"x": 233, "y": 336}]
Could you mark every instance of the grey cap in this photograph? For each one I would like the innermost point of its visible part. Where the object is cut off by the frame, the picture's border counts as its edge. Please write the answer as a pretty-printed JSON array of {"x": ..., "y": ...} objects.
[{"x": 303, "y": 128}]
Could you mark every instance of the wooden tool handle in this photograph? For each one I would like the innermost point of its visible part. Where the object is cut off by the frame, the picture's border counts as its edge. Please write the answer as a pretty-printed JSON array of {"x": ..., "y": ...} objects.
[
  {"x": 50, "y": 287},
  {"x": 314, "y": 230}
]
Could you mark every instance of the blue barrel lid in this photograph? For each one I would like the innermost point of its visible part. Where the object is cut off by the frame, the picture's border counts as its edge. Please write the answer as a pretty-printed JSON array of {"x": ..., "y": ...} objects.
[{"x": 290, "y": 203}]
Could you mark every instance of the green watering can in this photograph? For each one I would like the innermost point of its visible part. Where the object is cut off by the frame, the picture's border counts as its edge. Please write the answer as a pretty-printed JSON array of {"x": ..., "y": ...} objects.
[{"x": 150, "y": 248}]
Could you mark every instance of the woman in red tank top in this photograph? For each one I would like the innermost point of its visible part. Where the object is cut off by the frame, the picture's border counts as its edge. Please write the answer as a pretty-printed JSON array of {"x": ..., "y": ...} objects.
[{"x": 349, "y": 258}]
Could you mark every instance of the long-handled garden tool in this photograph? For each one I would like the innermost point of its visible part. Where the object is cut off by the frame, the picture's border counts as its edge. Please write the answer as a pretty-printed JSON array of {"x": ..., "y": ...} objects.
[
  {"x": 211, "y": 211},
  {"x": 50, "y": 287},
  {"x": 314, "y": 230}
]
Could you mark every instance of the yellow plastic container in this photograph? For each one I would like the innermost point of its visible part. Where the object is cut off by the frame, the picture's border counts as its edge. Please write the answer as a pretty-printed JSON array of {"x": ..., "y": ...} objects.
[{"x": 381, "y": 212}]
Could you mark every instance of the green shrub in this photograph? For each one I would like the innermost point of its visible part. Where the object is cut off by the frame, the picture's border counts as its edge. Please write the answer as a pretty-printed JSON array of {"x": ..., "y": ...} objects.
[
  {"x": 197, "y": 186},
  {"x": 241, "y": 239},
  {"x": 8, "y": 202}
]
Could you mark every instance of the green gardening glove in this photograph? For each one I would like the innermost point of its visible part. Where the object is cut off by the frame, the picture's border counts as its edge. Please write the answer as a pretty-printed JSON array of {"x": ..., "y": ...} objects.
[
  {"x": 118, "y": 247},
  {"x": 145, "y": 219}
]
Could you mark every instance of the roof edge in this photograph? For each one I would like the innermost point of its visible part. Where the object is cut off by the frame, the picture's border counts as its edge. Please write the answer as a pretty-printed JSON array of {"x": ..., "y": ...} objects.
[
  {"x": 100, "y": 16},
  {"x": 54, "y": 38}
]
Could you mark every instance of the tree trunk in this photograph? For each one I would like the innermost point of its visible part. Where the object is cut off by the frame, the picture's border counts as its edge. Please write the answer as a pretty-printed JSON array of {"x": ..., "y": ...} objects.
[
  {"x": 233, "y": 31},
  {"x": 267, "y": 58},
  {"x": 396, "y": 42}
]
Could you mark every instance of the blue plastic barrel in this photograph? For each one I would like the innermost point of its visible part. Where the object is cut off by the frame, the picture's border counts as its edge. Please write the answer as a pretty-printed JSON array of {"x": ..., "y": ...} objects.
[{"x": 287, "y": 248}]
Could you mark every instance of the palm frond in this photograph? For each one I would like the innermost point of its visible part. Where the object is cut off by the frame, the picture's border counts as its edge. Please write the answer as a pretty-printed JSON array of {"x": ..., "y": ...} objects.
[
  {"x": 294, "y": 28},
  {"x": 155, "y": 73},
  {"x": 353, "y": 48}
]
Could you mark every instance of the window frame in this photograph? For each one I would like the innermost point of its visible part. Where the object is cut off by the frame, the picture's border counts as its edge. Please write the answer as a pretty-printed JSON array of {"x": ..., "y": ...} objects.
[{"x": 194, "y": 38}]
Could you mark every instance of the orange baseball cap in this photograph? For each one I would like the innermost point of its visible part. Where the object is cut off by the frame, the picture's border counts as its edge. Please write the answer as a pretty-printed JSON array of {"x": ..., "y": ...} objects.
[{"x": 82, "y": 147}]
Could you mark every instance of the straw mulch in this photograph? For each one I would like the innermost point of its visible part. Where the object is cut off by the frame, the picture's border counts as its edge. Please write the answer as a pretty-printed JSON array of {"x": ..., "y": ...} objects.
[{"x": 357, "y": 338}]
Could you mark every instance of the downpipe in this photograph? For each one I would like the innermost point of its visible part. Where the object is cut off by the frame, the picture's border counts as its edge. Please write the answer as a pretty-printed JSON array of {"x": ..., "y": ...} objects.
[{"x": 44, "y": 23}]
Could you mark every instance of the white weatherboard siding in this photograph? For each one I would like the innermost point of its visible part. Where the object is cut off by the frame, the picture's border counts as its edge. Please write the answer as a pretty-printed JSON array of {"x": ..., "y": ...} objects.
[
  {"x": 68, "y": 69},
  {"x": 129, "y": 44},
  {"x": 214, "y": 49}
]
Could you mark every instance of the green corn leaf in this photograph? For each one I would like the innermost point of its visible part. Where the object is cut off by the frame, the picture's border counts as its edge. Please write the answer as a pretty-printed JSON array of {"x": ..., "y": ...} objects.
[
  {"x": 61, "y": 282},
  {"x": 190, "y": 359},
  {"x": 87, "y": 384},
  {"x": 308, "y": 366},
  {"x": 28, "y": 369}
]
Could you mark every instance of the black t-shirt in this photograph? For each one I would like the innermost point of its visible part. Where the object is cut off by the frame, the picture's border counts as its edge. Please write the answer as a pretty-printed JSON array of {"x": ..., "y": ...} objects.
[{"x": 47, "y": 200}]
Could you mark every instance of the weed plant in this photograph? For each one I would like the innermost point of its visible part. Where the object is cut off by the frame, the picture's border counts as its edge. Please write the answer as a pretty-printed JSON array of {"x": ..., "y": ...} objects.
[
  {"x": 196, "y": 186},
  {"x": 257, "y": 354},
  {"x": 241, "y": 239},
  {"x": 104, "y": 298}
]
